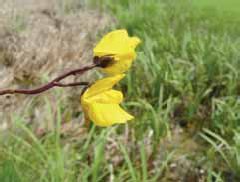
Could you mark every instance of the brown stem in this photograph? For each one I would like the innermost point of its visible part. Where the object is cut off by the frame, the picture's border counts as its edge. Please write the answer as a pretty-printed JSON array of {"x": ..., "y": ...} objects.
[
  {"x": 57, "y": 84},
  {"x": 54, "y": 83}
]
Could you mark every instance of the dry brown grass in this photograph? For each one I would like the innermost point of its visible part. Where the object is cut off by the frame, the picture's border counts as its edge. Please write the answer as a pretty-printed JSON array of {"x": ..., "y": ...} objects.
[{"x": 38, "y": 41}]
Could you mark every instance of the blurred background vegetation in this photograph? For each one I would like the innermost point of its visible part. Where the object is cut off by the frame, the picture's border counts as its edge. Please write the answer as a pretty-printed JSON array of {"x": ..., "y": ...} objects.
[{"x": 183, "y": 89}]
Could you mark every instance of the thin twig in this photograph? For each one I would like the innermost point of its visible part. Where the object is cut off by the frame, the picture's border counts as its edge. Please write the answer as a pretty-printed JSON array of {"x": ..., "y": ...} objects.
[
  {"x": 54, "y": 83},
  {"x": 57, "y": 84}
]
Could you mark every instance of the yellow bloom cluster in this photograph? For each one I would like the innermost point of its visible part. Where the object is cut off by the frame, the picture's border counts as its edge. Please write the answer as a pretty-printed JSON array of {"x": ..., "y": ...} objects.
[{"x": 100, "y": 102}]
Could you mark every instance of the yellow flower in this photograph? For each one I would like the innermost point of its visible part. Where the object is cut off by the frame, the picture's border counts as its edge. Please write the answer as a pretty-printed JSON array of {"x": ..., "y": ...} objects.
[
  {"x": 100, "y": 103},
  {"x": 118, "y": 45}
]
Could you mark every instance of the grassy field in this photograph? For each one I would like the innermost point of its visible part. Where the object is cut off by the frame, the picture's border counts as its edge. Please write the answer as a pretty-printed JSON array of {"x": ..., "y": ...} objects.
[
  {"x": 183, "y": 89},
  {"x": 230, "y": 6}
]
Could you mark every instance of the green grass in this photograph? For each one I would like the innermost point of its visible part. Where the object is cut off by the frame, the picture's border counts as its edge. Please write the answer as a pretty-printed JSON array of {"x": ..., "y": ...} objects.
[
  {"x": 230, "y": 6},
  {"x": 190, "y": 61}
]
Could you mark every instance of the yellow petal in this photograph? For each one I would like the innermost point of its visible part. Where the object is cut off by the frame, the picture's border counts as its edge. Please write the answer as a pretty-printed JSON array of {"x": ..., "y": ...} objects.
[
  {"x": 115, "y": 42},
  {"x": 121, "y": 47},
  {"x": 107, "y": 114},
  {"x": 106, "y": 97},
  {"x": 102, "y": 85},
  {"x": 100, "y": 102},
  {"x": 134, "y": 41},
  {"x": 118, "y": 67}
]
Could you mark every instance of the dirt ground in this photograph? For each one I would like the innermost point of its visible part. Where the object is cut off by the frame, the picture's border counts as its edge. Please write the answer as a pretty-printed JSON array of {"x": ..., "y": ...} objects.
[{"x": 38, "y": 41}]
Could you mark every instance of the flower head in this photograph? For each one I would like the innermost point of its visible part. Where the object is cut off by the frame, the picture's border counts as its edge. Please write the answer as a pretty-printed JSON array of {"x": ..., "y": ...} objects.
[
  {"x": 101, "y": 103},
  {"x": 118, "y": 46}
]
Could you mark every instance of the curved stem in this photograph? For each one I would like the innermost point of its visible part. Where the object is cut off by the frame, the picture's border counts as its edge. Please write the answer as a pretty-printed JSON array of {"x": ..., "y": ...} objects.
[
  {"x": 57, "y": 84},
  {"x": 53, "y": 83}
]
